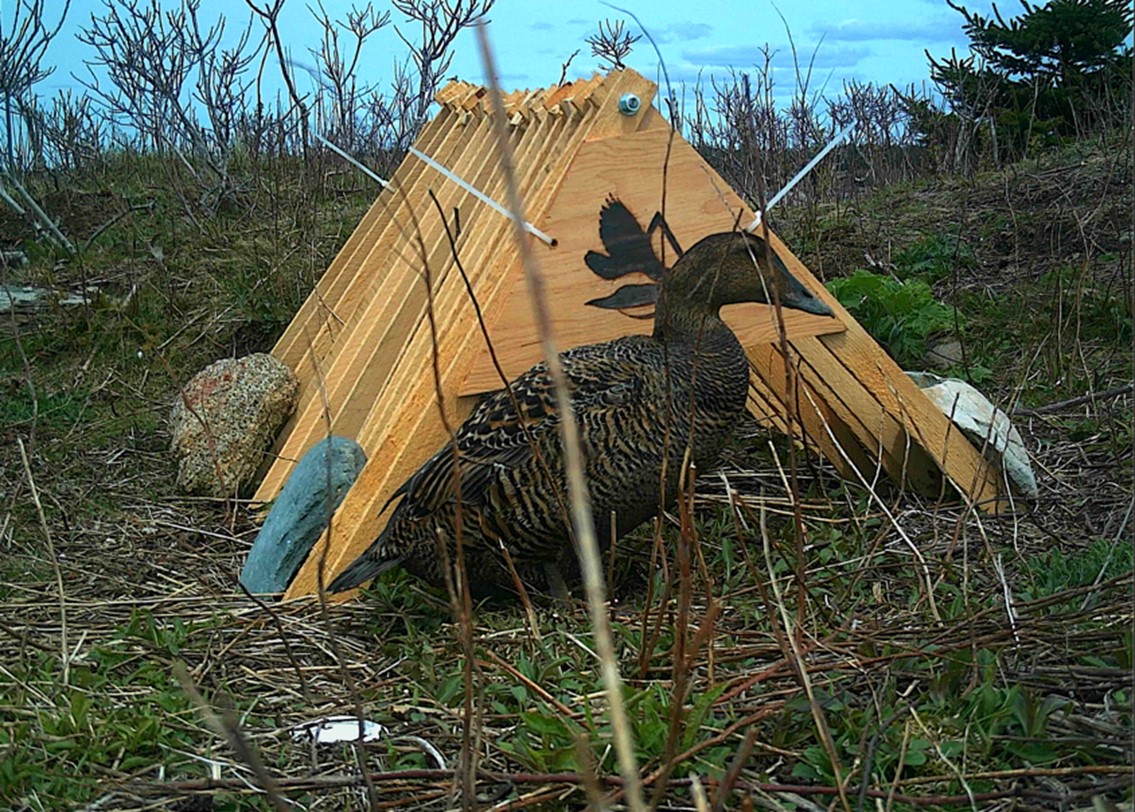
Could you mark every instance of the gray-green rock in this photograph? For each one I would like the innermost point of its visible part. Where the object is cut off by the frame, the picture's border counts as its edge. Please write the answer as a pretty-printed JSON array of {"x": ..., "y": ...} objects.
[{"x": 299, "y": 514}]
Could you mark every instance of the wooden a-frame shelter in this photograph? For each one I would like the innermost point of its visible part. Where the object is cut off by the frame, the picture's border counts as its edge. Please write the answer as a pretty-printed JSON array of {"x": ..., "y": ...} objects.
[{"x": 362, "y": 348}]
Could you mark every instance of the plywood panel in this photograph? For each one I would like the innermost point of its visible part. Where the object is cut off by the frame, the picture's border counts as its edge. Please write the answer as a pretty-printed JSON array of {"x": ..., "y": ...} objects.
[{"x": 695, "y": 207}]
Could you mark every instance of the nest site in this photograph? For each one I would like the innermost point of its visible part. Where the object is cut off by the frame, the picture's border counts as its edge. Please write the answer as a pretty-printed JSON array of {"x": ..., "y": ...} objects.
[{"x": 920, "y": 653}]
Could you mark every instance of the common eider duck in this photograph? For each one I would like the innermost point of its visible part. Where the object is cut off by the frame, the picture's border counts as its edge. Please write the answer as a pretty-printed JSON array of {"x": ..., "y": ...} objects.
[{"x": 512, "y": 482}]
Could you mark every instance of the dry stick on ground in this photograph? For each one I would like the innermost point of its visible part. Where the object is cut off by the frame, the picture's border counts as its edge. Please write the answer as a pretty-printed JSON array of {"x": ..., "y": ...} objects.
[
  {"x": 924, "y": 568},
  {"x": 328, "y": 782},
  {"x": 113, "y": 221},
  {"x": 590, "y": 773},
  {"x": 740, "y": 759},
  {"x": 680, "y": 660},
  {"x": 791, "y": 380},
  {"x": 872, "y": 746},
  {"x": 321, "y": 585},
  {"x": 658, "y": 560},
  {"x": 226, "y": 725},
  {"x": 1091, "y": 397},
  {"x": 506, "y": 384},
  {"x": 66, "y": 655},
  {"x": 460, "y": 598},
  {"x": 275, "y": 618},
  {"x": 577, "y": 485},
  {"x": 457, "y": 588},
  {"x": 521, "y": 592}
]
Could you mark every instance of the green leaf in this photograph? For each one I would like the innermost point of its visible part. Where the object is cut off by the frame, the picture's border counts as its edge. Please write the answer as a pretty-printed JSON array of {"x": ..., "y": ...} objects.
[{"x": 547, "y": 725}]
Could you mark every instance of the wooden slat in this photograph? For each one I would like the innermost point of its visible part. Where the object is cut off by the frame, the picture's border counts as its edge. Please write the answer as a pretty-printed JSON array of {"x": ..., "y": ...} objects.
[
  {"x": 414, "y": 430},
  {"x": 480, "y": 252},
  {"x": 928, "y": 427},
  {"x": 580, "y": 90},
  {"x": 375, "y": 283},
  {"x": 324, "y": 305},
  {"x": 877, "y": 430},
  {"x": 812, "y": 419},
  {"x": 364, "y": 358},
  {"x": 329, "y": 309}
]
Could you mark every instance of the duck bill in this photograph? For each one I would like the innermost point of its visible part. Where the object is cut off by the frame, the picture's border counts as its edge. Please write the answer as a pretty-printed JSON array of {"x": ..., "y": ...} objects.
[
  {"x": 796, "y": 296},
  {"x": 809, "y": 304}
]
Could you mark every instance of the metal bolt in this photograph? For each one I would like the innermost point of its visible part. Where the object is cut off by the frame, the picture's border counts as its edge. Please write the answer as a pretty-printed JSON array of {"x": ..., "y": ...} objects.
[{"x": 629, "y": 104}]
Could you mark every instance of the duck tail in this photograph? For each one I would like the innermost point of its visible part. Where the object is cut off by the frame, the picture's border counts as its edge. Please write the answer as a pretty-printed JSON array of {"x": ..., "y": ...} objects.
[{"x": 369, "y": 565}]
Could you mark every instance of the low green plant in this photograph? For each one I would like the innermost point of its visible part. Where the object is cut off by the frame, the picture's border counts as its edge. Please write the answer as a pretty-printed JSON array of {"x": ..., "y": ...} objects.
[
  {"x": 934, "y": 258},
  {"x": 56, "y": 753},
  {"x": 1057, "y": 571},
  {"x": 59, "y": 409},
  {"x": 1097, "y": 313},
  {"x": 967, "y": 709},
  {"x": 899, "y": 314}
]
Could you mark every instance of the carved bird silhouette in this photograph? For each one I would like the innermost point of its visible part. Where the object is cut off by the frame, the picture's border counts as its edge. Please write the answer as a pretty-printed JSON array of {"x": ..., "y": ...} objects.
[{"x": 628, "y": 251}]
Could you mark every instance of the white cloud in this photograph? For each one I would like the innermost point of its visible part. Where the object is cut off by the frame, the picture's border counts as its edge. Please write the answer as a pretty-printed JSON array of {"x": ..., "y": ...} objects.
[
  {"x": 679, "y": 32},
  {"x": 928, "y": 29},
  {"x": 725, "y": 56},
  {"x": 745, "y": 56}
]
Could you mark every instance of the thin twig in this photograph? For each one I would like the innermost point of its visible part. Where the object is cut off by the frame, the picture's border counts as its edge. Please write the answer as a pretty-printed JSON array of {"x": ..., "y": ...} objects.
[
  {"x": 460, "y": 597},
  {"x": 66, "y": 655},
  {"x": 794, "y": 654},
  {"x": 573, "y": 459},
  {"x": 226, "y": 725},
  {"x": 1091, "y": 397},
  {"x": 321, "y": 589}
]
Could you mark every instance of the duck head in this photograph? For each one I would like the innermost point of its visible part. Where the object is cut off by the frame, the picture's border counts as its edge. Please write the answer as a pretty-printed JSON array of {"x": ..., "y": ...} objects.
[{"x": 732, "y": 268}]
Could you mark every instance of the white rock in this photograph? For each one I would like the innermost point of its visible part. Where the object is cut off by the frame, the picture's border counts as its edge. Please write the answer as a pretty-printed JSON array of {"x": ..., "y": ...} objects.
[{"x": 986, "y": 426}]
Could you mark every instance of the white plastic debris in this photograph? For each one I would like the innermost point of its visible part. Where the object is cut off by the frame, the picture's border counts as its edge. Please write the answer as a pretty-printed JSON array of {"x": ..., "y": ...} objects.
[
  {"x": 332, "y": 729},
  {"x": 986, "y": 426}
]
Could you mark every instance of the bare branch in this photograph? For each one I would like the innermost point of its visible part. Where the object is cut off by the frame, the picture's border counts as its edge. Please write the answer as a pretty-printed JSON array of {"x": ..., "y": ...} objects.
[{"x": 611, "y": 44}]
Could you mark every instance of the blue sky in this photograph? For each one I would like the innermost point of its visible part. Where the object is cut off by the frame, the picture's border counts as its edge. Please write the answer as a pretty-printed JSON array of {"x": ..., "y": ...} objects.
[{"x": 881, "y": 41}]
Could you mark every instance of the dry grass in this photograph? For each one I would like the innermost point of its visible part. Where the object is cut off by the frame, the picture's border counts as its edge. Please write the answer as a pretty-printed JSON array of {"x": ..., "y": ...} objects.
[
  {"x": 868, "y": 645},
  {"x": 760, "y": 658}
]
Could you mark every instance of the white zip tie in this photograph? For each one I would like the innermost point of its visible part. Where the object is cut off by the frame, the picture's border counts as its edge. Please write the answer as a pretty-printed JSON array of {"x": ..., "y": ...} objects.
[
  {"x": 477, "y": 193},
  {"x": 342, "y": 154},
  {"x": 801, "y": 175}
]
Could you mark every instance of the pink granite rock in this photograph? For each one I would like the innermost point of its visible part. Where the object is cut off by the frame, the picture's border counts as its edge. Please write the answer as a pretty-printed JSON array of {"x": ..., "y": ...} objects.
[{"x": 224, "y": 420}]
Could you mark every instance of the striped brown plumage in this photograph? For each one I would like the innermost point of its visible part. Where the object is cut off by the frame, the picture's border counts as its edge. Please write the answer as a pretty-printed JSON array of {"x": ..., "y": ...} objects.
[{"x": 512, "y": 484}]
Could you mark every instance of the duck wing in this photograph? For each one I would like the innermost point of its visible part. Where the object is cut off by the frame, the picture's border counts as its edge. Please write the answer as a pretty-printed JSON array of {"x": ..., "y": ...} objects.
[
  {"x": 505, "y": 448},
  {"x": 509, "y": 432}
]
